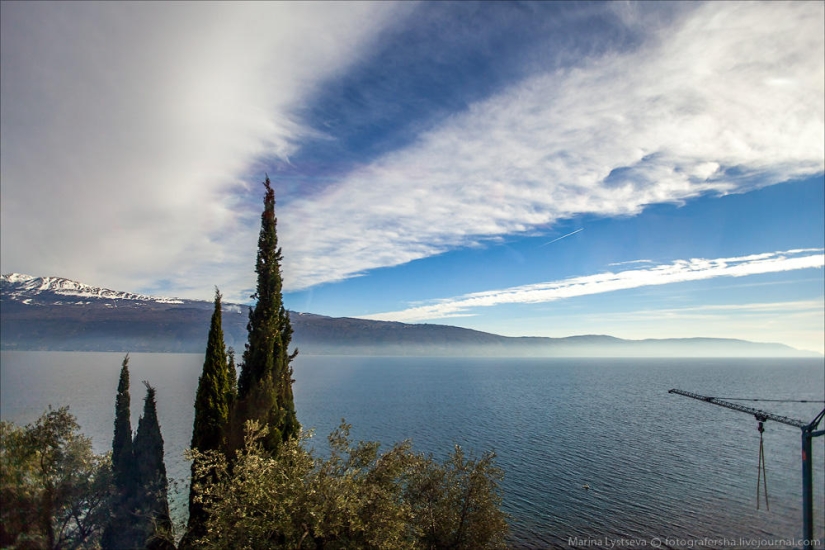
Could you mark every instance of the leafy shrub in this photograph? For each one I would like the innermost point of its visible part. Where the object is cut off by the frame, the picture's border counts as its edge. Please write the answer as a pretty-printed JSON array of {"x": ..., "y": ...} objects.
[
  {"x": 55, "y": 491},
  {"x": 355, "y": 498}
]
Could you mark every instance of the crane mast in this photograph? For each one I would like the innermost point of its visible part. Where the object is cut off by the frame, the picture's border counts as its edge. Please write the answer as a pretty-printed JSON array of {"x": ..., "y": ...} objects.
[{"x": 809, "y": 431}]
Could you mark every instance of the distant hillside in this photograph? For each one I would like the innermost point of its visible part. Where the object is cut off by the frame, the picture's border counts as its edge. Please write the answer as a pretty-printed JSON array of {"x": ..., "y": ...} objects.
[{"x": 51, "y": 313}]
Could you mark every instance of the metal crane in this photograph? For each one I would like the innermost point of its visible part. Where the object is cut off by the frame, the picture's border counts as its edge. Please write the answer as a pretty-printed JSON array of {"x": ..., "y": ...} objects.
[{"x": 809, "y": 431}]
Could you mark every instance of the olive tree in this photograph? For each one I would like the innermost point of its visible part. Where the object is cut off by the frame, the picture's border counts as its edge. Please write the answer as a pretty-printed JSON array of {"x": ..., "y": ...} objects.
[
  {"x": 356, "y": 497},
  {"x": 54, "y": 489}
]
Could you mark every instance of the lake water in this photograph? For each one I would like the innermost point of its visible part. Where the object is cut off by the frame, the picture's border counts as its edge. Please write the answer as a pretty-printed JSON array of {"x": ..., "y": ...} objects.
[{"x": 659, "y": 466}]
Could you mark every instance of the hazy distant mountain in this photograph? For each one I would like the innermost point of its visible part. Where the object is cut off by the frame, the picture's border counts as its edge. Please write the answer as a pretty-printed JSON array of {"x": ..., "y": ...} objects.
[{"x": 52, "y": 313}]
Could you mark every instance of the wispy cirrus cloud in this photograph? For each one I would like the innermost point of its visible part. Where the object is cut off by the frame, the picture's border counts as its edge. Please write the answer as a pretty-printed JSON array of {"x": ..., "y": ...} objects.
[
  {"x": 679, "y": 271},
  {"x": 631, "y": 262},
  {"x": 726, "y": 98}
]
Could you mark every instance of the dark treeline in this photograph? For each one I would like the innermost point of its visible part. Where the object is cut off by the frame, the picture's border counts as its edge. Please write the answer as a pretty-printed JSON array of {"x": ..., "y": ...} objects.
[{"x": 254, "y": 482}]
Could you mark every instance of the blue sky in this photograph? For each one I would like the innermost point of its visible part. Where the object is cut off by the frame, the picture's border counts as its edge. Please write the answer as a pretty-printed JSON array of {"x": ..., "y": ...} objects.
[{"x": 643, "y": 170}]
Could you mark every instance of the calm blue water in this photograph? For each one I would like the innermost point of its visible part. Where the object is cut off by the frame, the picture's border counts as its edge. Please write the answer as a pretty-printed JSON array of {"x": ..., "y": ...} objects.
[{"x": 659, "y": 465}]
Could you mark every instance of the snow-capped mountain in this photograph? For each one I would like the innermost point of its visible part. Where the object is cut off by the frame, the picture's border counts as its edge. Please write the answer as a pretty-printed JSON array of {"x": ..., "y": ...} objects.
[
  {"x": 54, "y": 313},
  {"x": 24, "y": 288}
]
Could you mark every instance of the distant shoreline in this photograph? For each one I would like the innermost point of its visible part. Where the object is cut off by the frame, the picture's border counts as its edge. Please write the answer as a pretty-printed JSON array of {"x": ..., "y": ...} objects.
[{"x": 70, "y": 316}]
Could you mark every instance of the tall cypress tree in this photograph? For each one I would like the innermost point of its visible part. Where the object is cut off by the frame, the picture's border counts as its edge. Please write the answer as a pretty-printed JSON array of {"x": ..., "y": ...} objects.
[
  {"x": 154, "y": 521},
  {"x": 122, "y": 459},
  {"x": 117, "y": 533},
  {"x": 265, "y": 384},
  {"x": 216, "y": 389}
]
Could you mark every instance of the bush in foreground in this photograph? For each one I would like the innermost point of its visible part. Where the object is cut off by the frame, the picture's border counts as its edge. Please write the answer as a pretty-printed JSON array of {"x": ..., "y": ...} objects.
[{"x": 355, "y": 498}]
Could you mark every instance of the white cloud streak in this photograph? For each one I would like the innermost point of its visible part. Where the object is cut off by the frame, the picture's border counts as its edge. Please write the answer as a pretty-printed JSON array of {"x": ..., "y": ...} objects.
[
  {"x": 630, "y": 262},
  {"x": 728, "y": 98},
  {"x": 679, "y": 271},
  {"x": 128, "y": 130}
]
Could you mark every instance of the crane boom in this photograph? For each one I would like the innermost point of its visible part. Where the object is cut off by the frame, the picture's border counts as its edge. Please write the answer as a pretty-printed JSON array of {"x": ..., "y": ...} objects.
[
  {"x": 809, "y": 431},
  {"x": 760, "y": 415}
]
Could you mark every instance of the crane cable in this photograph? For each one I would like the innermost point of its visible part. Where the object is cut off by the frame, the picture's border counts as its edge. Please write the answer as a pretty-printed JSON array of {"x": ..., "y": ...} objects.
[{"x": 762, "y": 471}]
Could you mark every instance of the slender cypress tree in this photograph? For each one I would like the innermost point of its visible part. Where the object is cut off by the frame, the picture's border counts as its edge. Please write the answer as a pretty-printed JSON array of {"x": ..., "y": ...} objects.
[
  {"x": 123, "y": 467},
  {"x": 123, "y": 463},
  {"x": 216, "y": 389},
  {"x": 154, "y": 521},
  {"x": 265, "y": 384}
]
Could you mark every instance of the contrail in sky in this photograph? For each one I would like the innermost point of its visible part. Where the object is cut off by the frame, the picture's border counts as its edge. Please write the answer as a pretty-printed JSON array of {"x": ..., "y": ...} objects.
[{"x": 563, "y": 236}]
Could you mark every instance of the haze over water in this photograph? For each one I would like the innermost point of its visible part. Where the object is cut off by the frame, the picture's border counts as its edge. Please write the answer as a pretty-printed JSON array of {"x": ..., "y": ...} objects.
[{"x": 658, "y": 465}]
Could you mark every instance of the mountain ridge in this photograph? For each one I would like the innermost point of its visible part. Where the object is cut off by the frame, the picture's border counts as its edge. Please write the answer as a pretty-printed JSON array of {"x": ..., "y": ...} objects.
[
  {"x": 58, "y": 314},
  {"x": 67, "y": 287}
]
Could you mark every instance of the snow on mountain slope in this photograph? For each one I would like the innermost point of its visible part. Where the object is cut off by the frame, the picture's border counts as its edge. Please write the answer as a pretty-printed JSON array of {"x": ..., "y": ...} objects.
[{"x": 24, "y": 288}]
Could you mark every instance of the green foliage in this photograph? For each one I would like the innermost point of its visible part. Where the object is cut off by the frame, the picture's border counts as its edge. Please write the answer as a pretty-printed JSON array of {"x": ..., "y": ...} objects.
[
  {"x": 265, "y": 384},
  {"x": 216, "y": 388},
  {"x": 119, "y": 526},
  {"x": 215, "y": 395},
  {"x": 265, "y": 490},
  {"x": 456, "y": 504},
  {"x": 355, "y": 498},
  {"x": 138, "y": 512},
  {"x": 54, "y": 489},
  {"x": 123, "y": 466},
  {"x": 151, "y": 511}
]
